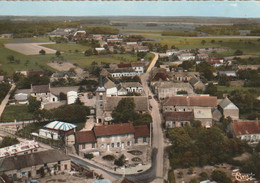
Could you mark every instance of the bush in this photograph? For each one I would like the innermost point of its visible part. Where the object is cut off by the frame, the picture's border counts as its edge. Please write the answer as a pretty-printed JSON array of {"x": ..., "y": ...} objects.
[
  {"x": 220, "y": 176},
  {"x": 89, "y": 156},
  {"x": 120, "y": 161},
  {"x": 108, "y": 157}
]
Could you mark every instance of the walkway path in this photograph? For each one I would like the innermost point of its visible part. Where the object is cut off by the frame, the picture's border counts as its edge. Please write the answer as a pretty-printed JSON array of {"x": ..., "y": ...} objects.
[{"x": 5, "y": 101}]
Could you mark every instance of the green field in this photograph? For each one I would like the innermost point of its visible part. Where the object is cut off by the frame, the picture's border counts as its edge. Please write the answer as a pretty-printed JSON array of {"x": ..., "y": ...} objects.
[
  {"x": 67, "y": 47},
  {"x": 29, "y": 62},
  {"x": 248, "y": 46},
  {"x": 18, "y": 112}
]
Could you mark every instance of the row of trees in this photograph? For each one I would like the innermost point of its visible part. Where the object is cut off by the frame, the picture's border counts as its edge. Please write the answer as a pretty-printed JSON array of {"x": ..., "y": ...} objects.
[
  {"x": 32, "y": 28},
  {"x": 4, "y": 89}
]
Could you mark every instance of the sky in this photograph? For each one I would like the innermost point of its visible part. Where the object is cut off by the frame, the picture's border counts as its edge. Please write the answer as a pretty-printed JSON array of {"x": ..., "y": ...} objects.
[{"x": 237, "y": 9}]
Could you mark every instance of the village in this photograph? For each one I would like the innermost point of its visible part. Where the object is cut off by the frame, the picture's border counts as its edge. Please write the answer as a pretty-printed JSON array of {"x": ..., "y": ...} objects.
[{"x": 139, "y": 117}]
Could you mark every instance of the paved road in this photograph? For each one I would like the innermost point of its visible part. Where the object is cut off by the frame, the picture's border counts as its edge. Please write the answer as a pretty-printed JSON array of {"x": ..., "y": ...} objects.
[
  {"x": 5, "y": 101},
  {"x": 158, "y": 139}
]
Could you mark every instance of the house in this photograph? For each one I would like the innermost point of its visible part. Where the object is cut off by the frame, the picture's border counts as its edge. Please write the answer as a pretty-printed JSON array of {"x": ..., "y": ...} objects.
[
  {"x": 189, "y": 103},
  {"x": 138, "y": 67},
  {"x": 24, "y": 147},
  {"x": 57, "y": 130},
  {"x": 113, "y": 137},
  {"x": 35, "y": 72},
  {"x": 21, "y": 98},
  {"x": 110, "y": 86},
  {"x": 216, "y": 61},
  {"x": 204, "y": 115},
  {"x": 168, "y": 89},
  {"x": 229, "y": 109},
  {"x": 32, "y": 165},
  {"x": 122, "y": 72},
  {"x": 197, "y": 84},
  {"x": 43, "y": 94},
  {"x": 100, "y": 50},
  {"x": 178, "y": 118},
  {"x": 227, "y": 73},
  {"x": 182, "y": 76},
  {"x": 186, "y": 56},
  {"x": 141, "y": 104},
  {"x": 246, "y": 130},
  {"x": 133, "y": 87},
  {"x": 72, "y": 97},
  {"x": 66, "y": 75}
]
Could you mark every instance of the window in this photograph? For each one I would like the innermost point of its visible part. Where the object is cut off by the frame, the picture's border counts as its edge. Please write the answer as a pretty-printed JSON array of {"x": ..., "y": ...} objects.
[
  {"x": 128, "y": 143},
  {"x": 113, "y": 145},
  {"x": 136, "y": 140},
  {"x": 65, "y": 166},
  {"x": 118, "y": 144},
  {"x": 45, "y": 164},
  {"x": 144, "y": 139},
  {"x": 83, "y": 146},
  {"x": 93, "y": 145},
  {"x": 58, "y": 162}
]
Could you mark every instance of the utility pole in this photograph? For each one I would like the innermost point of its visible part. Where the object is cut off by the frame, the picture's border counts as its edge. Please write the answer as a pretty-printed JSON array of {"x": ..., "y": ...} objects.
[{"x": 151, "y": 134}]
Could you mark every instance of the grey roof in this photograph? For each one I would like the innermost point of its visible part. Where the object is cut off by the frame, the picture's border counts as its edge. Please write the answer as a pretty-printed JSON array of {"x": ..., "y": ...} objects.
[
  {"x": 108, "y": 83},
  {"x": 224, "y": 103},
  {"x": 131, "y": 84},
  {"x": 21, "y": 96},
  {"x": 168, "y": 84},
  {"x": 63, "y": 74},
  {"x": 193, "y": 81},
  {"x": 141, "y": 102},
  {"x": 33, "y": 159},
  {"x": 216, "y": 114}
]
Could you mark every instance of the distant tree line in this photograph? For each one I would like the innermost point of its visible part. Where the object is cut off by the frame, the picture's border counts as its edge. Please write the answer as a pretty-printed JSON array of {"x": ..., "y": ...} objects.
[{"x": 32, "y": 28}]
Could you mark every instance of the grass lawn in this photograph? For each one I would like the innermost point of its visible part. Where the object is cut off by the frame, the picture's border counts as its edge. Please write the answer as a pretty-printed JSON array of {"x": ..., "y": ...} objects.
[
  {"x": 67, "y": 47},
  {"x": 33, "y": 61},
  {"x": 18, "y": 112}
]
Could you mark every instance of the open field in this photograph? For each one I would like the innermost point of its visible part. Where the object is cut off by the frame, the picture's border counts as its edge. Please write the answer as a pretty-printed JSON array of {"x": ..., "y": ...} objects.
[
  {"x": 249, "y": 46},
  {"x": 67, "y": 47},
  {"x": 30, "y": 48},
  {"x": 18, "y": 112}
]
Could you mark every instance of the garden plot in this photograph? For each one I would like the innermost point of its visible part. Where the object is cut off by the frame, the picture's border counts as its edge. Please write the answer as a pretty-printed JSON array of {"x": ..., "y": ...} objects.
[{"x": 30, "y": 48}]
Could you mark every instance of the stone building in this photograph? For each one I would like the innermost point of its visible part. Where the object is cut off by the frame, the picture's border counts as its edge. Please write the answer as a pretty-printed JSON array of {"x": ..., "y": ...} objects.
[
  {"x": 115, "y": 137},
  {"x": 229, "y": 109},
  {"x": 32, "y": 165}
]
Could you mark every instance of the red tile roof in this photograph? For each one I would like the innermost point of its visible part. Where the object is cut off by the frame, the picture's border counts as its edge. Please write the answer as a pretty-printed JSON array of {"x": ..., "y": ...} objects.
[
  {"x": 40, "y": 88},
  {"x": 124, "y": 65},
  {"x": 176, "y": 100},
  {"x": 246, "y": 127},
  {"x": 114, "y": 129},
  {"x": 85, "y": 137},
  {"x": 159, "y": 76},
  {"x": 179, "y": 116},
  {"x": 142, "y": 131},
  {"x": 35, "y": 72},
  {"x": 201, "y": 101}
]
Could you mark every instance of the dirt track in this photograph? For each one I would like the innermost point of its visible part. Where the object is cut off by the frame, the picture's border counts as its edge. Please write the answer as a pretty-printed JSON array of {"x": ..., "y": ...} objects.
[{"x": 30, "y": 48}]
